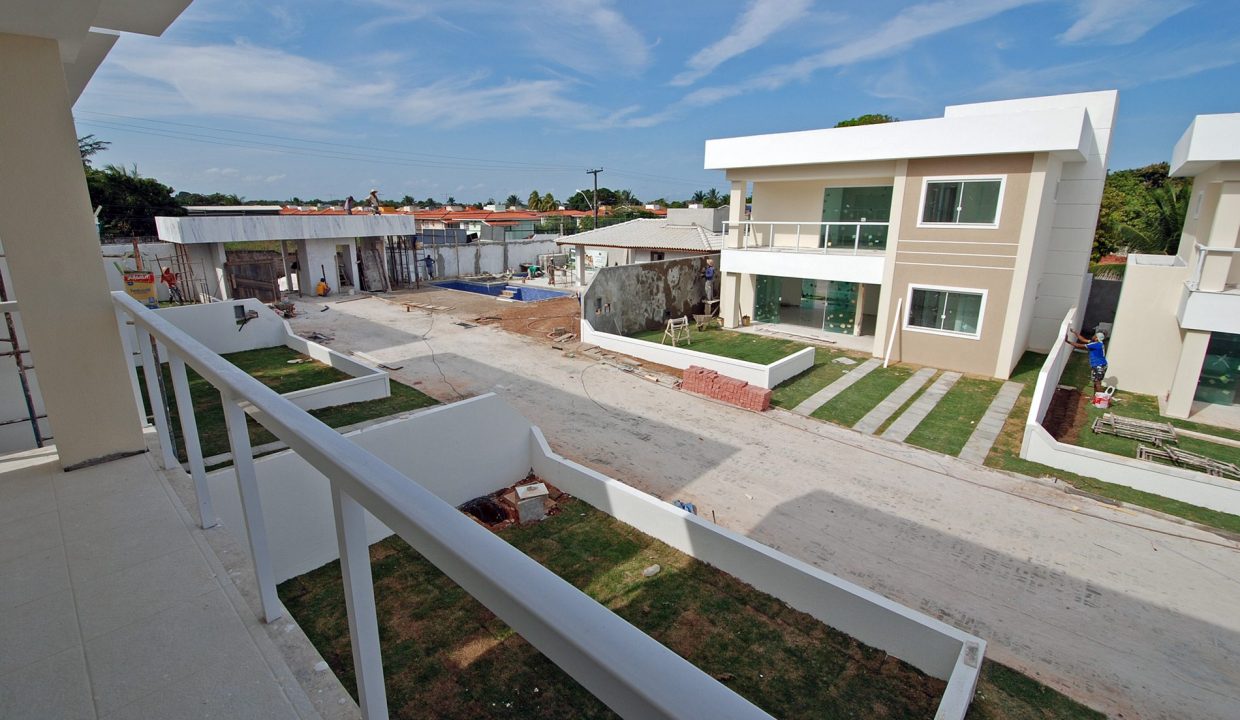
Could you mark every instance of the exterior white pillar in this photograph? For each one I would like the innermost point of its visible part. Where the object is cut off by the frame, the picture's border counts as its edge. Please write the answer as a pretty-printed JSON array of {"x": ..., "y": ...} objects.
[
  {"x": 1187, "y": 374},
  {"x": 53, "y": 253},
  {"x": 1217, "y": 266},
  {"x": 359, "y": 603}
]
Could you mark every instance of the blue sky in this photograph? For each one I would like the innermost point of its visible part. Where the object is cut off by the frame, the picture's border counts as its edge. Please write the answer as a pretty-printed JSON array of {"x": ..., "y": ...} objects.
[{"x": 478, "y": 99}]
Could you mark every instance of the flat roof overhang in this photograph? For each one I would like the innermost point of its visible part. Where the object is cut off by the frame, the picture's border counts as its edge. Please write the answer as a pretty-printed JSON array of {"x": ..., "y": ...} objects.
[
  {"x": 1208, "y": 141},
  {"x": 1066, "y": 133},
  {"x": 195, "y": 230}
]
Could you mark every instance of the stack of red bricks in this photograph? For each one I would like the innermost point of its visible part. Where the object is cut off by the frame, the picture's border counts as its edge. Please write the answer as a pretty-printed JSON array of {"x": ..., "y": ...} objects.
[{"x": 730, "y": 390}]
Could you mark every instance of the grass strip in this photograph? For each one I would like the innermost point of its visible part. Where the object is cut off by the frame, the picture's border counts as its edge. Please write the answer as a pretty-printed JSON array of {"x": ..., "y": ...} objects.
[
  {"x": 949, "y": 425},
  {"x": 851, "y": 405}
]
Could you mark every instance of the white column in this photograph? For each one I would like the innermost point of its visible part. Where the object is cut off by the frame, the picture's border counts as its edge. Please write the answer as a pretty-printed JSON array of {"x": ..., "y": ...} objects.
[
  {"x": 48, "y": 230},
  {"x": 193, "y": 450},
  {"x": 151, "y": 376},
  {"x": 359, "y": 603},
  {"x": 1217, "y": 266},
  {"x": 251, "y": 507}
]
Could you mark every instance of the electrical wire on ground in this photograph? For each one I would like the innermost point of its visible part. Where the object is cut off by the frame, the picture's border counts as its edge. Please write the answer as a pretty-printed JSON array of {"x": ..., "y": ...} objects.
[{"x": 435, "y": 360}]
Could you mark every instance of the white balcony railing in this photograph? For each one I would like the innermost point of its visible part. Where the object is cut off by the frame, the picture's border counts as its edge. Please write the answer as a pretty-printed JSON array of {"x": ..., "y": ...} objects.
[
  {"x": 625, "y": 668},
  {"x": 809, "y": 237},
  {"x": 1203, "y": 252}
]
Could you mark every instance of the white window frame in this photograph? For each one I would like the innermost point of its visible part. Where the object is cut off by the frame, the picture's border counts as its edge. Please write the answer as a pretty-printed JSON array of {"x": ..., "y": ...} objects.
[
  {"x": 925, "y": 186},
  {"x": 981, "y": 311}
]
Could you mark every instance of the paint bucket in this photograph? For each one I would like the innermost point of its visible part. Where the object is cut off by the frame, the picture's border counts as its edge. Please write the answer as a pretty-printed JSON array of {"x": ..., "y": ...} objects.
[{"x": 1103, "y": 399}]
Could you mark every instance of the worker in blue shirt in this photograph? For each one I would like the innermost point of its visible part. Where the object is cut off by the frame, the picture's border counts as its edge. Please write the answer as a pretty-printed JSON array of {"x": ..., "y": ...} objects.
[{"x": 1097, "y": 356}]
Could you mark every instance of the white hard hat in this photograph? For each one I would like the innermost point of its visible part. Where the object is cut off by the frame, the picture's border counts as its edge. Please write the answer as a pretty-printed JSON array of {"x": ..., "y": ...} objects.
[{"x": 1100, "y": 335}]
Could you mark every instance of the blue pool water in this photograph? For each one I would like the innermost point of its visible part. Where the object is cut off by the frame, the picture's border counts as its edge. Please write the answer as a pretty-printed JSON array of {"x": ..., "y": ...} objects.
[{"x": 521, "y": 293}]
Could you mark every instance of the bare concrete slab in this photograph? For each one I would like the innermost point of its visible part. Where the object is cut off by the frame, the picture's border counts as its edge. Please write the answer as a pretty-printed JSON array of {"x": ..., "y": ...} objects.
[
  {"x": 911, "y": 418},
  {"x": 890, "y": 404},
  {"x": 823, "y": 396},
  {"x": 991, "y": 424}
]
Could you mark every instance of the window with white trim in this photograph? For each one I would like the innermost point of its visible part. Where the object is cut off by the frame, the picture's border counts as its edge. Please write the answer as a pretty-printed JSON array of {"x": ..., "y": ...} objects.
[
  {"x": 946, "y": 310},
  {"x": 961, "y": 201}
]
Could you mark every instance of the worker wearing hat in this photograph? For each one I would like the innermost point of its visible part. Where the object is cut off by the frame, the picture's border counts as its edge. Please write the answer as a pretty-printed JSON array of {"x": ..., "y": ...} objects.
[
  {"x": 1097, "y": 355},
  {"x": 373, "y": 201}
]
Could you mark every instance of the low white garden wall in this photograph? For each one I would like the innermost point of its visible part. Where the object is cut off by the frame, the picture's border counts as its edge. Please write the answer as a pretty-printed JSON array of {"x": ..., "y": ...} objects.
[
  {"x": 215, "y": 325},
  {"x": 765, "y": 376},
  {"x": 1171, "y": 482},
  {"x": 439, "y": 449}
]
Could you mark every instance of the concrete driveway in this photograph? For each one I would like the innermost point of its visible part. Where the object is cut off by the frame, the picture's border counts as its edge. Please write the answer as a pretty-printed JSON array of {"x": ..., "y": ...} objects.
[{"x": 1131, "y": 613}]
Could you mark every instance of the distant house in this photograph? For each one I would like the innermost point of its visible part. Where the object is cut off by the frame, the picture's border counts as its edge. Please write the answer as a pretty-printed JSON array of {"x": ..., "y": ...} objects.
[
  {"x": 683, "y": 233},
  {"x": 1177, "y": 326},
  {"x": 960, "y": 241}
]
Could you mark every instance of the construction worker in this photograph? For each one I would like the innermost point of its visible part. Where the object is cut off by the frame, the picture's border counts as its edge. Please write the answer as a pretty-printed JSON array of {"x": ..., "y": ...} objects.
[
  {"x": 169, "y": 278},
  {"x": 322, "y": 289}
]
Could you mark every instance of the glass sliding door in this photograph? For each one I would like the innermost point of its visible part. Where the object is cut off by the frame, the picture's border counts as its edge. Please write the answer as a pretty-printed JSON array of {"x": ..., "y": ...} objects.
[
  {"x": 856, "y": 218},
  {"x": 1219, "y": 382},
  {"x": 766, "y": 299},
  {"x": 841, "y": 310}
]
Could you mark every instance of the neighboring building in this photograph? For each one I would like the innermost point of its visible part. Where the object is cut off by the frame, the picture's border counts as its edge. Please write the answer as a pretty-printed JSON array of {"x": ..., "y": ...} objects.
[
  {"x": 1177, "y": 327},
  {"x": 967, "y": 235},
  {"x": 683, "y": 233}
]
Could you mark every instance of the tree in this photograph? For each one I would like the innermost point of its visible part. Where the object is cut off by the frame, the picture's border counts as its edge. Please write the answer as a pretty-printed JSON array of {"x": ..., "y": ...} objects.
[
  {"x": 868, "y": 119},
  {"x": 714, "y": 198},
  {"x": 698, "y": 197},
  {"x": 512, "y": 201},
  {"x": 129, "y": 201},
  {"x": 89, "y": 145},
  {"x": 188, "y": 198},
  {"x": 549, "y": 202},
  {"x": 535, "y": 201},
  {"x": 1159, "y": 231},
  {"x": 1130, "y": 210}
]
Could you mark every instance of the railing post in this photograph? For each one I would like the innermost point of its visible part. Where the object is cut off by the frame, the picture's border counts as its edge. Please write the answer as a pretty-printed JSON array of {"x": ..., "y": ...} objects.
[
  {"x": 857, "y": 239},
  {"x": 251, "y": 506},
  {"x": 193, "y": 449},
  {"x": 128, "y": 332},
  {"x": 770, "y": 236},
  {"x": 150, "y": 373},
  {"x": 798, "y": 237},
  {"x": 359, "y": 603}
]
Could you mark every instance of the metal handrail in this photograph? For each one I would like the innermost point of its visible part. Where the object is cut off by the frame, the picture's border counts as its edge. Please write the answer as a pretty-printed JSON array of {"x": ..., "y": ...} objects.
[
  {"x": 750, "y": 240},
  {"x": 632, "y": 673}
]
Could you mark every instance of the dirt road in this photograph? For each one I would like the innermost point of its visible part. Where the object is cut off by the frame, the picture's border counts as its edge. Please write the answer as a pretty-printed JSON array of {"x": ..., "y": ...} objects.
[{"x": 1134, "y": 614}]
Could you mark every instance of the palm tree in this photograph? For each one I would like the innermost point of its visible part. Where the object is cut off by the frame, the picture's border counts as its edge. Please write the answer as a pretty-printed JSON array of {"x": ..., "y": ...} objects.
[
  {"x": 1160, "y": 233},
  {"x": 712, "y": 199},
  {"x": 698, "y": 197},
  {"x": 548, "y": 202},
  {"x": 535, "y": 201},
  {"x": 512, "y": 201}
]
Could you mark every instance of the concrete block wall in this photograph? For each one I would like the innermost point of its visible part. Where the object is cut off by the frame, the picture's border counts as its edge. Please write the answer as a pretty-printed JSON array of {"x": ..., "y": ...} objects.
[
  {"x": 630, "y": 298},
  {"x": 729, "y": 390}
]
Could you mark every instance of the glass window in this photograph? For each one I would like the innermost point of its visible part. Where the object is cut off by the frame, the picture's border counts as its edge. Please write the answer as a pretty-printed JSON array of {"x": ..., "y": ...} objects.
[
  {"x": 947, "y": 310},
  {"x": 1219, "y": 381},
  {"x": 867, "y": 209},
  {"x": 962, "y": 202}
]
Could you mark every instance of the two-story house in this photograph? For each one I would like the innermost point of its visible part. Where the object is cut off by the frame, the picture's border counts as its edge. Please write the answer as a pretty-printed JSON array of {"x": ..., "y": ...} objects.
[
  {"x": 1177, "y": 326},
  {"x": 957, "y": 242}
]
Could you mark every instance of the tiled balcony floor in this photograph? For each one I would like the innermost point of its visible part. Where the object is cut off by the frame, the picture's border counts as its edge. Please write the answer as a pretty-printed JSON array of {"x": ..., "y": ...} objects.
[{"x": 113, "y": 605}]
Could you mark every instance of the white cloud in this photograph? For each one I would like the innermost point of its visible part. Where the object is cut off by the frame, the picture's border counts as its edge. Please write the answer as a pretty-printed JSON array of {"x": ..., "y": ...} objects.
[
  {"x": 760, "y": 20},
  {"x": 274, "y": 178},
  {"x": 910, "y": 25},
  {"x": 239, "y": 79},
  {"x": 588, "y": 36},
  {"x": 224, "y": 172},
  {"x": 460, "y": 102},
  {"x": 1117, "y": 22}
]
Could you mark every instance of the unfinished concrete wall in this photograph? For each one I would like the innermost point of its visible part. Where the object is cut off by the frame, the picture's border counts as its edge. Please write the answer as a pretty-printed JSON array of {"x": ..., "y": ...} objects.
[
  {"x": 630, "y": 298},
  {"x": 475, "y": 258}
]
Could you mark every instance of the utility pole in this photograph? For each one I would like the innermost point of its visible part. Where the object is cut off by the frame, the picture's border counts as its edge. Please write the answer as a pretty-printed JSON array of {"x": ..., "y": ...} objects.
[{"x": 581, "y": 249}]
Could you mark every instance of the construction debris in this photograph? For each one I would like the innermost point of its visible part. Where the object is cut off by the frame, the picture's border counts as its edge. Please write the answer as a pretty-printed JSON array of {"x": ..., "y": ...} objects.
[
  {"x": 1187, "y": 460},
  {"x": 317, "y": 337},
  {"x": 1143, "y": 430},
  {"x": 409, "y": 306}
]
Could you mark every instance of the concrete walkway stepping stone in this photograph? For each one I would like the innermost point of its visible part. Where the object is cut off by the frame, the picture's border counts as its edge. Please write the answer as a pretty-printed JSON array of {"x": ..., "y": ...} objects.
[
  {"x": 890, "y": 404},
  {"x": 823, "y": 396},
  {"x": 991, "y": 424},
  {"x": 917, "y": 412}
]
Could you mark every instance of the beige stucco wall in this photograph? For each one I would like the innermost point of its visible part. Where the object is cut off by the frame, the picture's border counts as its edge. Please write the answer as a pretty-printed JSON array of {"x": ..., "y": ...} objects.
[
  {"x": 53, "y": 255},
  {"x": 967, "y": 258},
  {"x": 798, "y": 201},
  {"x": 1145, "y": 348}
]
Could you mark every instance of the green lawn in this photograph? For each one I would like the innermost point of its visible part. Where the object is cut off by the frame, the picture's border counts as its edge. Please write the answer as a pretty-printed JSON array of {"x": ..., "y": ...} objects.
[
  {"x": 270, "y": 366},
  {"x": 851, "y": 405},
  {"x": 825, "y": 371},
  {"x": 948, "y": 426},
  {"x": 1006, "y": 452},
  {"x": 727, "y": 343},
  {"x": 445, "y": 656}
]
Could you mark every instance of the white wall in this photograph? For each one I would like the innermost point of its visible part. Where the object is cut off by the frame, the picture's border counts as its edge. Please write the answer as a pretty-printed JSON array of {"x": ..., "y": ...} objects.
[
  {"x": 1145, "y": 319},
  {"x": 215, "y": 325},
  {"x": 474, "y": 258},
  {"x": 866, "y": 269},
  {"x": 928, "y": 644},
  {"x": 764, "y": 376},
  {"x": 201, "y": 229},
  {"x": 438, "y": 448}
]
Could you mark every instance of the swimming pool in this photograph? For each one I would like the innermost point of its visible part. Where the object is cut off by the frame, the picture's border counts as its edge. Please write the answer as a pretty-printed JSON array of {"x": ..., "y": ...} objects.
[{"x": 520, "y": 293}]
